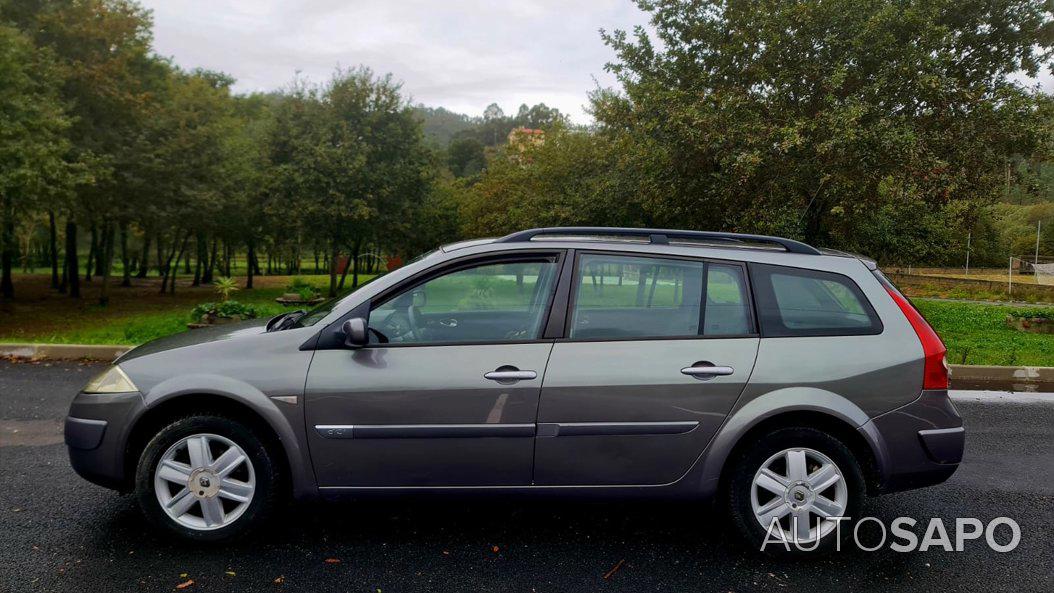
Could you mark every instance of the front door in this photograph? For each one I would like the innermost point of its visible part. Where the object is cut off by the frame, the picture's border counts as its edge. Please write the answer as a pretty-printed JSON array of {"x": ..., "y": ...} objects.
[
  {"x": 446, "y": 394},
  {"x": 657, "y": 352}
]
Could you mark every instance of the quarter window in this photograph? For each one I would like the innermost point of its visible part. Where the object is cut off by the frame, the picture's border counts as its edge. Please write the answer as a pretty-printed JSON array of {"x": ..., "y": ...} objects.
[
  {"x": 796, "y": 302},
  {"x": 625, "y": 297},
  {"x": 496, "y": 302}
]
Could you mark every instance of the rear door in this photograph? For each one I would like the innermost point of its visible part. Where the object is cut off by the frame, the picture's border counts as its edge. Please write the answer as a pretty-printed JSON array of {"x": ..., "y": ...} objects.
[{"x": 657, "y": 351}]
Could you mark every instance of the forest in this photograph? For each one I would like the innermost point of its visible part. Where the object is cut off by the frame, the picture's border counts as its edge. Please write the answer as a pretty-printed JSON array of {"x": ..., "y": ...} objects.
[{"x": 893, "y": 129}]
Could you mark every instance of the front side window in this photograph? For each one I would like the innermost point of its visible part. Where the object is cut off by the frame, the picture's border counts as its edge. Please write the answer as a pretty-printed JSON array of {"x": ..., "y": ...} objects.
[
  {"x": 797, "y": 302},
  {"x": 494, "y": 302},
  {"x": 625, "y": 297}
]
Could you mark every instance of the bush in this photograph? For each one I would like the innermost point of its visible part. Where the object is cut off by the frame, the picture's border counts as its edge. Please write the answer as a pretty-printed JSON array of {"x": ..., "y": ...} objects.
[
  {"x": 1037, "y": 313},
  {"x": 302, "y": 288},
  {"x": 225, "y": 309}
]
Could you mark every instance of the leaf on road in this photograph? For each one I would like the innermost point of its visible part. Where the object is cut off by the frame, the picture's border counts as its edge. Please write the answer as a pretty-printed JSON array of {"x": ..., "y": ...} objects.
[
  {"x": 495, "y": 549},
  {"x": 230, "y": 573},
  {"x": 332, "y": 560},
  {"x": 614, "y": 569},
  {"x": 185, "y": 584},
  {"x": 279, "y": 580}
]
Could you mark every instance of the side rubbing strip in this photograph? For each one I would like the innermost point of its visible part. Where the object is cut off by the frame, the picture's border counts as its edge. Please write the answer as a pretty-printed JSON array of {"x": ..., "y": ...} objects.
[
  {"x": 422, "y": 431},
  {"x": 569, "y": 429}
]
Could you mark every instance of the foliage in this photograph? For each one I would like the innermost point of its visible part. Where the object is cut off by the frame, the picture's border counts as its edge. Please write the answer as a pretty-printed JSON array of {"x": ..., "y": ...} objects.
[
  {"x": 1035, "y": 313},
  {"x": 225, "y": 309},
  {"x": 304, "y": 289},
  {"x": 225, "y": 286},
  {"x": 35, "y": 162},
  {"x": 835, "y": 121}
]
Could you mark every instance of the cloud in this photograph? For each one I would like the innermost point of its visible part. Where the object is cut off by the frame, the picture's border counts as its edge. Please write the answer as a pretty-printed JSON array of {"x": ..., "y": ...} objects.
[
  {"x": 462, "y": 55},
  {"x": 459, "y": 54}
]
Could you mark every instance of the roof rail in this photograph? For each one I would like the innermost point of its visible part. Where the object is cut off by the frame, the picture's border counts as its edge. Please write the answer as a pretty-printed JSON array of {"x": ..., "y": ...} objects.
[{"x": 659, "y": 236}]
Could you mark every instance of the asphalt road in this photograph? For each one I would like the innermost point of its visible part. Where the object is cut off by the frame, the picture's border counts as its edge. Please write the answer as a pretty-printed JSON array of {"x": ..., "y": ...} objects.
[{"x": 60, "y": 533}]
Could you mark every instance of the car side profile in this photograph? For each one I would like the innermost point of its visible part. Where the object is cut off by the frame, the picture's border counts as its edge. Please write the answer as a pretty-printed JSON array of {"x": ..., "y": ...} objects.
[{"x": 785, "y": 381}]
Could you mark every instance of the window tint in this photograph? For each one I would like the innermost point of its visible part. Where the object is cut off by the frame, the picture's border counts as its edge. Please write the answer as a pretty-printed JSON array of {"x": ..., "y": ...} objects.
[
  {"x": 487, "y": 303},
  {"x": 624, "y": 297},
  {"x": 727, "y": 305},
  {"x": 793, "y": 302}
]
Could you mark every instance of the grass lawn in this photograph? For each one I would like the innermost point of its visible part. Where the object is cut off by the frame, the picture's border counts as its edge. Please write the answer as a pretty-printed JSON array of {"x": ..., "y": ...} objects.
[
  {"x": 135, "y": 315},
  {"x": 974, "y": 333},
  {"x": 978, "y": 334}
]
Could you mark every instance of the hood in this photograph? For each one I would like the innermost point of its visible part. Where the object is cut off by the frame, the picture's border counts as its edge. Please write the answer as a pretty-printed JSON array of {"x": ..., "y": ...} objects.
[{"x": 227, "y": 331}]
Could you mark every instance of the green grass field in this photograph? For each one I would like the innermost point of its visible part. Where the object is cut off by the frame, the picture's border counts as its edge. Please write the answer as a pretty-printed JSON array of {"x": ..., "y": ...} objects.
[{"x": 977, "y": 334}]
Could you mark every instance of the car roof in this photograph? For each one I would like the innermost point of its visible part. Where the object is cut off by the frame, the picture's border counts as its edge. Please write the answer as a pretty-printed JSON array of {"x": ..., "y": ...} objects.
[{"x": 652, "y": 240}]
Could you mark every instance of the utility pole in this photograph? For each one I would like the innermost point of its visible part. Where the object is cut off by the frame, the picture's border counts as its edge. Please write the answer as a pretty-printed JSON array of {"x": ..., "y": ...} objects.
[
  {"x": 968, "y": 235},
  {"x": 1039, "y": 225}
]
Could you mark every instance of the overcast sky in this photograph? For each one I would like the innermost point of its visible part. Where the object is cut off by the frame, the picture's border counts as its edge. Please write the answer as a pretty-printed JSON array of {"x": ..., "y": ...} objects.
[{"x": 459, "y": 54}]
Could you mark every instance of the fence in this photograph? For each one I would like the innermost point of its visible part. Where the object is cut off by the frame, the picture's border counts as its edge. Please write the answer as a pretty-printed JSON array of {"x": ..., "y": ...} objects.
[{"x": 1019, "y": 291}]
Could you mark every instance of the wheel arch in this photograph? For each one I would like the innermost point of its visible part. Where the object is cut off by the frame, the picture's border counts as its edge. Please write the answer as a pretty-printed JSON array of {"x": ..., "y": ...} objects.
[
  {"x": 805, "y": 407},
  {"x": 165, "y": 411}
]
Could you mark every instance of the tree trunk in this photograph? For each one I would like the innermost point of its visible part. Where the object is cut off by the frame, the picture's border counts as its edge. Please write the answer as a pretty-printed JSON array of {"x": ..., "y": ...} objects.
[
  {"x": 355, "y": 263},
  {"x": 250, "y": 254},
  {"x": 333, "y": 270},
  {"x": 175, "y": 268},
  {"x": 144, "y": 259},
  {"x": 53, "y": 242},
  {"x": 7, "y": 238},
  {"x": 126, "y": 262},
  {"x": 200, "y": 253},
  {"x": 161, "y": 265},
  {"x": 106, "y": 259},
  {"x": 72, "y": 269},
  {"x": 91, "y": 254},
  {"x": 210, "y": 264},
  {"x": 100, "y": 251}
]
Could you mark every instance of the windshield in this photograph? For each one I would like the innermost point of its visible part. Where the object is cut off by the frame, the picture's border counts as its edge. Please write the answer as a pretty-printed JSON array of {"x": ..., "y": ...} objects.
[{"x": 317, "y": 314}]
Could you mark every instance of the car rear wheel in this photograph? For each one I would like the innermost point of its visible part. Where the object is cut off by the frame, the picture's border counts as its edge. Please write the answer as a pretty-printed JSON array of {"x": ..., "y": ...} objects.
[
  {"x": 206, "y": 478},
  {"x": 793, "y": 486}
]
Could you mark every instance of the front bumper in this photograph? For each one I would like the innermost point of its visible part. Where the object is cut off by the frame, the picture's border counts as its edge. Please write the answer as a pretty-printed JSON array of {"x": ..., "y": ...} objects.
[
  {"x": 96, "y": 434},
  {"x": 921, "y": 443}
]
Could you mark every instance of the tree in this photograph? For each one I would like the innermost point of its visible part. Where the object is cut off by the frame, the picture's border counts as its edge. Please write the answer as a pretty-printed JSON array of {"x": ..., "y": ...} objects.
[
  {"x": 33, "y": 143},
  {"x": 350, "y": 156},
  {"x": 829, "y": 120},
  {"x": 465, "y": 157}
]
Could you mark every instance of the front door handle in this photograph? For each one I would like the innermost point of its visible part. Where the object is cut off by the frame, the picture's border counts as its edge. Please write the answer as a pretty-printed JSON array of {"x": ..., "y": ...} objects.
[
  {"x": 707, "y": 370},
  {"x": 509, "y": 374}
]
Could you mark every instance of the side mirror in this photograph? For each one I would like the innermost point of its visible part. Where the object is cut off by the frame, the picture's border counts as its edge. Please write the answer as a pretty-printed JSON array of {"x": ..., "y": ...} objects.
[{"x": 355, "y": 333}]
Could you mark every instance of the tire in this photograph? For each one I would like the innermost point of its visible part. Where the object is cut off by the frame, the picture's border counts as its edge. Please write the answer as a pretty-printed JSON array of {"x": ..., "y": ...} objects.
[
  {"x": 245, "y": 496},
  {"x": 780, "y": 449}
]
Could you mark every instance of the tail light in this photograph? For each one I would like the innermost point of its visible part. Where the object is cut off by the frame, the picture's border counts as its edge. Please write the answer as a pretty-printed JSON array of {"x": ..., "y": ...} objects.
[{"x": 935, "y": 373}]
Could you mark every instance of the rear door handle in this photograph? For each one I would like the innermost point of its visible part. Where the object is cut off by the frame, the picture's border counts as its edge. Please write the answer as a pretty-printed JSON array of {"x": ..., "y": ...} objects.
[
  {"x": 705, "y": 370},
  {"x": 510, "y": 375}
]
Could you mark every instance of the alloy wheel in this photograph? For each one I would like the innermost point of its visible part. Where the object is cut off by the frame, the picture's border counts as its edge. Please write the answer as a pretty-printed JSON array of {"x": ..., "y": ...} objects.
[
  {"x": 204, "y": 482},
  {"x": 801, "y": 489}
]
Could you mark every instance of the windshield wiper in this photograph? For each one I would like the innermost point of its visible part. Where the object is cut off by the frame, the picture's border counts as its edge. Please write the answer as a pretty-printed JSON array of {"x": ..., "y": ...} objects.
[{"x": 284, "y": 320}]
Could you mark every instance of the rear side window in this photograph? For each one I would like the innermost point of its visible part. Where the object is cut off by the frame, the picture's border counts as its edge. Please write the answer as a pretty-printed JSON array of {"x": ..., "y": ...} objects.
[
  {"x": 797, "y": 302},
  {"x": 626, "y": 297}
]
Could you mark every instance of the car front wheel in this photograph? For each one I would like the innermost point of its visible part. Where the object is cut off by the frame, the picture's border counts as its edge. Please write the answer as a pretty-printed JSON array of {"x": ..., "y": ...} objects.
[{"x": 206, "y": 478}]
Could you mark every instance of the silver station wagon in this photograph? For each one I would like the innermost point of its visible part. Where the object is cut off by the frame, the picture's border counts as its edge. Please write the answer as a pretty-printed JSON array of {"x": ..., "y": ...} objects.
[{"x": 785, "y": 382}]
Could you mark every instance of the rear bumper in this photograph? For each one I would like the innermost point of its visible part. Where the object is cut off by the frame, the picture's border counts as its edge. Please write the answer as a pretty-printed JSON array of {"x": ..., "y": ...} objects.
[
  {"x": 920, "y": 444},
  {"x": 96, "y": 434}
]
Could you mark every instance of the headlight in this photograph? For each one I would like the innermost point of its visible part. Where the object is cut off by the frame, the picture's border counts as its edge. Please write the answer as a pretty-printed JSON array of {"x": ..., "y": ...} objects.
[{"x": 112, "y": 380}]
